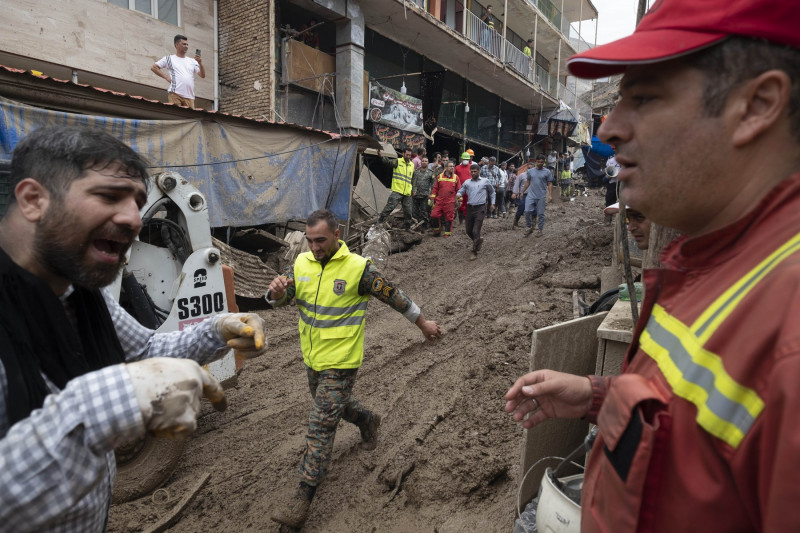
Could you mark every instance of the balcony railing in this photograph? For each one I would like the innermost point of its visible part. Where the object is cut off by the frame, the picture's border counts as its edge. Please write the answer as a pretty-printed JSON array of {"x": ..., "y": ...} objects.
[
  {"x": 493, "y": 43},
  {"x": 483, "y": 35}
]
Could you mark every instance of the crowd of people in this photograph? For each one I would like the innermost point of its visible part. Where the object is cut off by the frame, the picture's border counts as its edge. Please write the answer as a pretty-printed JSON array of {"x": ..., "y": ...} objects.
[{"x": 435, "y": 192}]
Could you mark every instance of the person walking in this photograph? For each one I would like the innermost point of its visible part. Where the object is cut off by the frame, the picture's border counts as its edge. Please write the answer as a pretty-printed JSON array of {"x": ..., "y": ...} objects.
[
  {"x": 519, "y": 195},
  {"x": 444, "y": 198},
  {"x": 539, "y": 191},
  {"x": 479, "y": 192},
  {"x": 512, "y": 179},
  {"x": 463, "y": 173},
  {"x": 180, "y": 72},
  {"x": 420, "y": 192},
  {"x": 698, "y": 432},
  {"x": 402, "y": 176},
  {"x": 331, "y": 287},
  {"x": 491, "y": 172},
  {"x": 500, "y": 190}
]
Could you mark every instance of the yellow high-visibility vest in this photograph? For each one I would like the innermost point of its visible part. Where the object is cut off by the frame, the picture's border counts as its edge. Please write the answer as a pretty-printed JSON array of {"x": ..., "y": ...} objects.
[
  {"x": 401, "y": 177},
  {"x": 331, "y": 310}
]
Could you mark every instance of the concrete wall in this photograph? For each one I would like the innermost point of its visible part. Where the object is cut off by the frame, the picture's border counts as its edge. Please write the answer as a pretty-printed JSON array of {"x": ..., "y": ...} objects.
[
  {"x": 246, "y": 52},
  {"x": 98, "y": 37}
]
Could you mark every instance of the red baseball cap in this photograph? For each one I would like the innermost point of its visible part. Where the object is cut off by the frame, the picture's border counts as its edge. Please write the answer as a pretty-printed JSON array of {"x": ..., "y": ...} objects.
[{"x": 672, "y": 28}]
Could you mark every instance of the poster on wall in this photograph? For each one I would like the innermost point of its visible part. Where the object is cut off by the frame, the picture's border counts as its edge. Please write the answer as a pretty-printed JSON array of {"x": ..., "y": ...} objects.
[
  {"x": 399, "y": 139},
  {"x": 392, "y": 108}
]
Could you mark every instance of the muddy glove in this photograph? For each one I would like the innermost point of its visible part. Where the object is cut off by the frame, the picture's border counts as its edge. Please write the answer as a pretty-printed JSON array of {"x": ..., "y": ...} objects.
[
  {"x": 244, "y": 332},
  {"x": 168, "y": 391}
]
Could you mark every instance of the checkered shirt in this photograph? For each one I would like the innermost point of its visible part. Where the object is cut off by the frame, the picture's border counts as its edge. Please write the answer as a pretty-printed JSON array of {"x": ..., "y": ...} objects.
[{"x": 57, "y": 465}]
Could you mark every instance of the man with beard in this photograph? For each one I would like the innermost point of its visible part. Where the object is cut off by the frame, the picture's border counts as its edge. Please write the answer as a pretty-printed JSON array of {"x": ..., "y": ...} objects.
[
  {"x": 78, "y": 375},
  {"x": 479, "y": 193},
  {"x": 444, "y": 198},
  {"x": 331, "y": 287},
  {"x": 538, "y": 190},
  {"x": 421, "y": 189},
  {"x": 699, "y": 431}
]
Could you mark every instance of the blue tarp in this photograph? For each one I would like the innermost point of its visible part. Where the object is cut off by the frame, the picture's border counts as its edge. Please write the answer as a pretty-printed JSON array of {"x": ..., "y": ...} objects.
[
  {"x": 594, "y": 165},
  {"x": 250, "y": 174},
  {"x": 601, "y": 149}
]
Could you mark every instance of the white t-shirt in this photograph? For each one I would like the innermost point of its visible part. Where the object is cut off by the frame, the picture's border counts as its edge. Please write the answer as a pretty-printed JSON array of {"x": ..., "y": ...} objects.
[{"x": 181, "y": 72}]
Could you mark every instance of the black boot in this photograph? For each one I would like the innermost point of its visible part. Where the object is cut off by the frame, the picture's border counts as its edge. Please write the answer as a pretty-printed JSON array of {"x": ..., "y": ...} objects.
[{"x": 295, "y": 513}]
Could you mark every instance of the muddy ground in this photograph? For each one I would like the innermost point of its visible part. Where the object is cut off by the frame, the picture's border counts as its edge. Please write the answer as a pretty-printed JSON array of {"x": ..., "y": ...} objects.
[{"x": 464, "y": 475}]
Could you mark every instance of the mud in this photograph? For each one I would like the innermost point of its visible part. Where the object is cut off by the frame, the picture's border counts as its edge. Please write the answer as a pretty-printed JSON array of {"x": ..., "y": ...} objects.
[{"x": 448, "y": 456}]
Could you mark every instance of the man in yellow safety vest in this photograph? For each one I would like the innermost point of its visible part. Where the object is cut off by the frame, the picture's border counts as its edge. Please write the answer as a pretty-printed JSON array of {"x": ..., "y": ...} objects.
[
  {"x": 402, "y": 176},
  {"x": 331, "y": 287}
]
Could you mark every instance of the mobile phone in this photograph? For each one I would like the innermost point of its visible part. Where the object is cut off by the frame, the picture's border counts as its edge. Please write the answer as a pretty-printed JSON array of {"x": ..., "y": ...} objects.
[{"x": 197, "y": 51}]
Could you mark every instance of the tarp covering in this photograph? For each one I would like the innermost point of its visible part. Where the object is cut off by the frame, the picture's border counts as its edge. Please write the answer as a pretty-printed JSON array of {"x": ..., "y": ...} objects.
[
  {"x": 250, "y": 174},
  {"x": 594, "y": 164},
  {"x": 600, "y": 148}
]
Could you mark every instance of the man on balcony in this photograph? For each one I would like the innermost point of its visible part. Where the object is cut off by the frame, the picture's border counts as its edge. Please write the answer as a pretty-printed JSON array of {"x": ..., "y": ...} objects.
[
  {"x": 487, "y": 31},
  {"x": 529, "y": 62}
]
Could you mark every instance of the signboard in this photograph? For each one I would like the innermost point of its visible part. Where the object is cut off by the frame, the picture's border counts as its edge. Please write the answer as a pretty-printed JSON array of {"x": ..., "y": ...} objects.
[{"x": 392, "y": 108}]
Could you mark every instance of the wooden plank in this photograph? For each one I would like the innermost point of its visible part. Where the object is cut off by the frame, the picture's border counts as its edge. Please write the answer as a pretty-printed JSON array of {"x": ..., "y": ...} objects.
[{"x": 307, "y": 66}]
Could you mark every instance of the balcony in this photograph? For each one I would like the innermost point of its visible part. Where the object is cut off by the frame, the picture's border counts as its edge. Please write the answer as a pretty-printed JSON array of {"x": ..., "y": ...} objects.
[{"x": 488, "y": 53}]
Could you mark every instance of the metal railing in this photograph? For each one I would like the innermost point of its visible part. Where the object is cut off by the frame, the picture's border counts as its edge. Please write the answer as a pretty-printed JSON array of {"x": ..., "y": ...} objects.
[
  {"x": 490, "y": 40},
  {"x": 483, "y": 35},
  {"x": 519, "y": 61}
]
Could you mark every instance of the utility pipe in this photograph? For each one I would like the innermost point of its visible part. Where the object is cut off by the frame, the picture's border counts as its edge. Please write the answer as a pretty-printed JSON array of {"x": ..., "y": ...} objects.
[{"x": 216, "y": 55}]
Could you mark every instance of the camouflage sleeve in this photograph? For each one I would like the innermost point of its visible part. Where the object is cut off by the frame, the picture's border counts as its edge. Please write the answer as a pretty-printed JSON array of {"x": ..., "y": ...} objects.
[
  {"x": 288, "y": 296},
  {"x": 373, "y": 283}
]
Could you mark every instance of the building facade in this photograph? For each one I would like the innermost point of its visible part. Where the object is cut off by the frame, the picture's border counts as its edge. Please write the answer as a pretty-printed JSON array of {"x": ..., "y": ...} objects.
[{"x": 261, "y": 63}]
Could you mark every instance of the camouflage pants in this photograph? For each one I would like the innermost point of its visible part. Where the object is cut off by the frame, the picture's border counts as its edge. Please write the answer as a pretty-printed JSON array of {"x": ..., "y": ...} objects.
[{"x": 332, "y": 391}]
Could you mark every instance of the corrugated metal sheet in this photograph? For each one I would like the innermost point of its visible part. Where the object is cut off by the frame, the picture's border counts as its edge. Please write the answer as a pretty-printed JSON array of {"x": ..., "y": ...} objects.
[{"x": 250, "y": 175}]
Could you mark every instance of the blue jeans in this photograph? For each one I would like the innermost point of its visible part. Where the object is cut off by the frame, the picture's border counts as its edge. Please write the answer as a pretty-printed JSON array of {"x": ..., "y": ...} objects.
[
  {"x": 533, "y": 207},
  {"x": 500, "y": 201},
  {"x": 521, "y": 204}
]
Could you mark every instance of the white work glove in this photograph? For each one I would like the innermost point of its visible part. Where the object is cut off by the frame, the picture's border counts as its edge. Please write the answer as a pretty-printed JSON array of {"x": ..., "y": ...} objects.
[
  {"x": 244, "y": 332},
  {"x": 168, "y": 391}
]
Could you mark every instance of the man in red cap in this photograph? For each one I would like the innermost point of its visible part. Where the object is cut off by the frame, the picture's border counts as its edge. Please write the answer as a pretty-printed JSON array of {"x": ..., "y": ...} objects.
[{"x": 699, "y": 432}]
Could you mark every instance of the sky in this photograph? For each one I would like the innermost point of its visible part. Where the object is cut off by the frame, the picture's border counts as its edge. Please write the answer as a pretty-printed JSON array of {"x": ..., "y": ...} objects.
[{"x": 617, "y": 19}]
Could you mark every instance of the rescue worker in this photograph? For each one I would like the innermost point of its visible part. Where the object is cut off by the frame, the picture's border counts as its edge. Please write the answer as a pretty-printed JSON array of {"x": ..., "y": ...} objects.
[
  {"x": 420, "y": 192},
  {"x": 402, "y": 176},
  {"x": 699, "y": 432},
  {"x": 331, "y": 287},
  {"x": 444, "y": 201},
  {"x": 463, "y": 173}
]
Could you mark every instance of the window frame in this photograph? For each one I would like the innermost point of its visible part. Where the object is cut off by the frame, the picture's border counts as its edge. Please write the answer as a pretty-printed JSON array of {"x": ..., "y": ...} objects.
[{"x": 153, "y": 10}]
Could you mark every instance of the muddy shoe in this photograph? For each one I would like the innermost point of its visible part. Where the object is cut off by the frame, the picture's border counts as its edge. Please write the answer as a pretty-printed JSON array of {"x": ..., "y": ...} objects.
[
  {"x": 294, "y": 513},
  {"x": 528, "y": 232},
  {"x": 479, "y": 245},
  {"x": 473, "y": 256},
  {"x": 538, "y": 233},
  {"x": 369, "y": 432}
]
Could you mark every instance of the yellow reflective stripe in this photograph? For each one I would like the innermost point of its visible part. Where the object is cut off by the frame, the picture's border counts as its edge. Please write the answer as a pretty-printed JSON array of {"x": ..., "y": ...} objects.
[
  {"x": 725, "y": 408},
  {"x": 708, "y": 322}
]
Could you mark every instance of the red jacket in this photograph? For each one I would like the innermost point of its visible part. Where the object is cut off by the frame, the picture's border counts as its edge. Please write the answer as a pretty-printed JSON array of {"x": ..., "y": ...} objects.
[
  {"x": 700, "y": 432},
  {"x": 444, "y": 190},
  {"x": 462, "y": 171}
]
